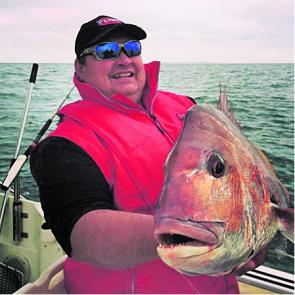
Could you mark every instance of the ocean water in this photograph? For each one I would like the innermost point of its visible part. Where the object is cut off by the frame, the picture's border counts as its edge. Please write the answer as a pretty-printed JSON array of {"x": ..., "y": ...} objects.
[{"x": 261, "y": 95}]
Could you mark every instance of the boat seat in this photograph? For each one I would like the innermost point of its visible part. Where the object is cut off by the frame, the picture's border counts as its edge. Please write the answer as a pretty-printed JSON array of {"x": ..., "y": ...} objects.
[{"x": 51, "y": 281}]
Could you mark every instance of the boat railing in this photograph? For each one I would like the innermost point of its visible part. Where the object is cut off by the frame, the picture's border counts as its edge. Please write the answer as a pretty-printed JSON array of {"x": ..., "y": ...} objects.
[{"x": 276, "y": 281}]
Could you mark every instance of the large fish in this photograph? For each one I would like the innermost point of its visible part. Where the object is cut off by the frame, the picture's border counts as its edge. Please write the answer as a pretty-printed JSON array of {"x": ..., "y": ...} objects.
[{"x": 221, "y": 202}]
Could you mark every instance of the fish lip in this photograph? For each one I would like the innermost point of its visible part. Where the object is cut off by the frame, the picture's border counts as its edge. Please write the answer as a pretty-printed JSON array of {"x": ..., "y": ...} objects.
[{"x": 198, "y": 233}]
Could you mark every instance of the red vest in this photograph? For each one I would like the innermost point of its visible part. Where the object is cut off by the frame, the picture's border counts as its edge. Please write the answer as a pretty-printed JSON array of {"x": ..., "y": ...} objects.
[{"x": 129, "y": 143}]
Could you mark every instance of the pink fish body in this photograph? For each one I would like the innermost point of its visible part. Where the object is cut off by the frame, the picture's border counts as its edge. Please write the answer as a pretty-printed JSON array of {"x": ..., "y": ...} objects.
[{"x": 221, "y": 202}]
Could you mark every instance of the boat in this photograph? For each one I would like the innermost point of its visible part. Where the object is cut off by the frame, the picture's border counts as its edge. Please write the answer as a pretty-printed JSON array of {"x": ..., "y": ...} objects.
[{"x": 24, "y": 261}]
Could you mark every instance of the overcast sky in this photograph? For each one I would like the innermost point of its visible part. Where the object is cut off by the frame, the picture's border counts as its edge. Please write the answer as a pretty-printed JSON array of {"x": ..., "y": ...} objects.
[{"x": 182, "y": 31}]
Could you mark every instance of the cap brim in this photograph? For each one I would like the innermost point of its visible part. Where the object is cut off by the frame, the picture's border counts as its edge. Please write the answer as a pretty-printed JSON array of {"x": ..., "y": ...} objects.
[{"x": 134, "y": 31}]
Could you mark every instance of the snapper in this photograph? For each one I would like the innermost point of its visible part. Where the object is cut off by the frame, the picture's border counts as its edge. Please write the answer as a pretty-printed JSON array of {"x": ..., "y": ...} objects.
[{"x": 221, "y": 201}]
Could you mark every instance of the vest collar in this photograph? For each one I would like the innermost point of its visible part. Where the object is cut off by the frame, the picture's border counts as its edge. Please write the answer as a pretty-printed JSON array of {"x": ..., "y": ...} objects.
[{"x": 90, "y": 93}]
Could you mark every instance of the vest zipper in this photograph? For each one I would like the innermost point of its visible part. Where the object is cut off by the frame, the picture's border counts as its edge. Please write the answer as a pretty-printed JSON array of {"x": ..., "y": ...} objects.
[
  {"x": 161, "y": 129},
  {"x": 155, "y": 120},
  {"x": 157, "y": 123}
]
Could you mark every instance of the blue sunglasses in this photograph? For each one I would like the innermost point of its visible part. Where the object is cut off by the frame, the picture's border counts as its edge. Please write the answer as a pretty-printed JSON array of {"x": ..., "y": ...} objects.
[{"x": 112, "y": 50}]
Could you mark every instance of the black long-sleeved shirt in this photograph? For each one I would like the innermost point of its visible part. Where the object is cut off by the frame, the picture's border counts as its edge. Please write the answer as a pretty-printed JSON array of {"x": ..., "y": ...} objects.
[{"x": 70, "y": 185}]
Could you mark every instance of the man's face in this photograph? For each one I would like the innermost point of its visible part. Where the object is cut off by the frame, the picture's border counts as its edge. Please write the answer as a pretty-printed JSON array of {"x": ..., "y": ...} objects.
[{"x": 123, "y": 75}]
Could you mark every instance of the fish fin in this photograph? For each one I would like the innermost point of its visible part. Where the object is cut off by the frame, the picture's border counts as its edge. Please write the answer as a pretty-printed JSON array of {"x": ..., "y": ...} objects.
[
  {"x": 222, "y": 105},
  {"x": 285, "y": 221},
  {"x": 233, "y": 119}
]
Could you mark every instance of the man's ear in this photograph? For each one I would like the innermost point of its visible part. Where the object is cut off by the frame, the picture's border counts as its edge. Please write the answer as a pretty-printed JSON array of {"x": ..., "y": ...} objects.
[{"x": 80, "y": 70}]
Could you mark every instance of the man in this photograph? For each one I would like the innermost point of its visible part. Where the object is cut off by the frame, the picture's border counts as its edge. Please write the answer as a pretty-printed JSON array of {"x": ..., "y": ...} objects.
[{"x": 100, "y": 172}]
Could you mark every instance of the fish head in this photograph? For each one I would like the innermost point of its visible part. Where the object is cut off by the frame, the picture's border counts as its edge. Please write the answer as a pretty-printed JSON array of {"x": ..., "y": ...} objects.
[{"x": 214, "y": 202}]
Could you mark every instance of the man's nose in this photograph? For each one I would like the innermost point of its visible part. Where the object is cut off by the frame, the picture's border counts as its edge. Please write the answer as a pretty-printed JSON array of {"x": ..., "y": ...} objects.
[{"x": 123, "y": 58}]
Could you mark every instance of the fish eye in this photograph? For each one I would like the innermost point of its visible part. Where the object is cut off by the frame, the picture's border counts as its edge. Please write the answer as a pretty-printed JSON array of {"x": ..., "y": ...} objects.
[{"x": 215, "y": 165}]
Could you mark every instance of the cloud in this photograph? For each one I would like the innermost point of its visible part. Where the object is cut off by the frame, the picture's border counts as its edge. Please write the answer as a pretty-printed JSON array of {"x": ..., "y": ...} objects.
[{"x": 210, "y": 31}]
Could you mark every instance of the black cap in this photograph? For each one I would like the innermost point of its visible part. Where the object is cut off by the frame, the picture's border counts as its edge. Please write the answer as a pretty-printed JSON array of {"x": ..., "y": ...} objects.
[{"x": 93, "y": 31}]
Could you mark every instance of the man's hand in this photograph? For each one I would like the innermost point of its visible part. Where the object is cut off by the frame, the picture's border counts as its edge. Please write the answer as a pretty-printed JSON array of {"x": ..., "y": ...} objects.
[
  {"x": 253, "y": 263},
  {"x": 114, "y": 239}
]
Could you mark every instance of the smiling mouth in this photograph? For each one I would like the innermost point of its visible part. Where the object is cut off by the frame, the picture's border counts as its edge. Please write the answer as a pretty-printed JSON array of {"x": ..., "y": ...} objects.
[
  {"x": 123, "y": 75},
  {"x": 171, "y": 233}
]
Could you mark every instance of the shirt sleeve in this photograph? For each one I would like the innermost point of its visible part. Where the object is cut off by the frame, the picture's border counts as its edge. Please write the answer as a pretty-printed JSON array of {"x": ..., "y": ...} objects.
[{"x": 70, "y": 185}]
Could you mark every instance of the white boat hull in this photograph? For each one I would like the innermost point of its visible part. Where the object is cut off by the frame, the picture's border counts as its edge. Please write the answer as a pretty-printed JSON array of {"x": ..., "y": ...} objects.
[{"x": 33, "y": 254}]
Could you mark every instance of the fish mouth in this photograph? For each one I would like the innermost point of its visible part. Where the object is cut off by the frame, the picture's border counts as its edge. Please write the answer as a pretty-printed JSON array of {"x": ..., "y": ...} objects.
[{"x": 171, "y": 233}]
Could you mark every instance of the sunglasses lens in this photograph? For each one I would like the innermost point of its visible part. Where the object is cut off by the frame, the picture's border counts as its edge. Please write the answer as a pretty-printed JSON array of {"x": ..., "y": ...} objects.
[
  {"x": 132, "y": 48},
  {"x": 111, "y": 50},
  {"x": 108, "y": 50}
]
